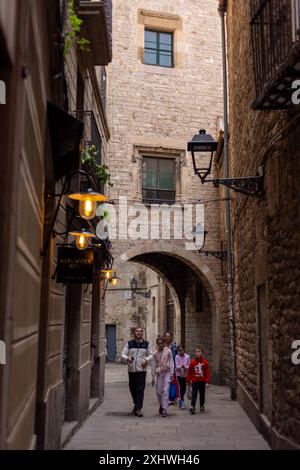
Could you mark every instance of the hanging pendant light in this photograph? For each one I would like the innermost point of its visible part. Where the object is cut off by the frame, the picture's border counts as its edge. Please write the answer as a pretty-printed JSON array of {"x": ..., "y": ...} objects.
[
  {"x": 82, "y": 238},
  {"x": 88, "y": 202}
]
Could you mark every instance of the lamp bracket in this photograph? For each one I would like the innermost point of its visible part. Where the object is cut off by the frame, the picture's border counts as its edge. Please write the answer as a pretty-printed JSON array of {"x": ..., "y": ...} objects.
[
  {"x": 221, "y": 255},
  {"x": 142, "y": 293},
  {"x": 249, "y": 185}
]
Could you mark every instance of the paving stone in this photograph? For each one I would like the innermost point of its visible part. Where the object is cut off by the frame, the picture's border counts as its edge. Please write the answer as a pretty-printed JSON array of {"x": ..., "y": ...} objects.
[{"x": 223, "y": 426}]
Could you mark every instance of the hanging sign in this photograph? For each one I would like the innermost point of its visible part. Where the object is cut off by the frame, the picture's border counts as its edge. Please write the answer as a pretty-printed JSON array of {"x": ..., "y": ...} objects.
[{"x": 75, "y": 266}]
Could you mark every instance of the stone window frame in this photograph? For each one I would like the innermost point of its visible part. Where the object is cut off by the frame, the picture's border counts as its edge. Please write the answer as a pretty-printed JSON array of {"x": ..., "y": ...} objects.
[
  {"x": 178, "y": 155},
  {"x": 161, "y": 22}
]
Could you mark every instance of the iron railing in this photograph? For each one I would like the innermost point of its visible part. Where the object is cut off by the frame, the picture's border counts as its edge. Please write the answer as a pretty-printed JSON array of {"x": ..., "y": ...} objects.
[
  {"x": 108, "y": 11},
  {"x": 276, "y": 50},
  {"x": 97, "y": 26},
  {"x": 91, "y": 136}
]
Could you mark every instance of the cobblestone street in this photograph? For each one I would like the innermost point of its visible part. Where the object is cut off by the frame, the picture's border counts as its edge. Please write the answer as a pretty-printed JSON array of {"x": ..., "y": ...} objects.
[{"x": 224, "y": 425}]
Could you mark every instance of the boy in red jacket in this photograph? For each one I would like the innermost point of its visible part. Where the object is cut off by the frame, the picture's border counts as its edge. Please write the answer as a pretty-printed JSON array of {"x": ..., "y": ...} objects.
[{"x": 198, "y": 375}]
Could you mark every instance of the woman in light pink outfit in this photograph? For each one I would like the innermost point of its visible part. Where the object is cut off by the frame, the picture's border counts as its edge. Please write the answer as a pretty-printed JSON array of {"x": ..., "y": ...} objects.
[{"x": 162, "y": 371}]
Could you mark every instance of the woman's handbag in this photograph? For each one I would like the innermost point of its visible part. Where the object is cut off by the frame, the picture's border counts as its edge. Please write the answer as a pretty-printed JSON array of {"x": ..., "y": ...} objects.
[{"x": 172, "y": 392}]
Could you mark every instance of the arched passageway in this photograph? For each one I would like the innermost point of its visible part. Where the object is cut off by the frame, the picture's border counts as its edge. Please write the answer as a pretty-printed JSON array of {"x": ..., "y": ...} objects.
[{"x": 197, "y": 295}]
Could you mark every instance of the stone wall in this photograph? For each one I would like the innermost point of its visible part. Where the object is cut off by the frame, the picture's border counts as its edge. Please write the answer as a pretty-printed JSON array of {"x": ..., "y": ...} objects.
[
  {"x": 266, "y": 243},
  {"x": 33, "y": 307}
]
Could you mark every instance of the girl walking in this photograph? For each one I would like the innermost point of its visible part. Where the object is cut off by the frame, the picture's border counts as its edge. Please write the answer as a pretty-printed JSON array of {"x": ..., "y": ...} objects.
[
  {"x": 162, "y": 372},
  {"x": 182, "y": 362}
]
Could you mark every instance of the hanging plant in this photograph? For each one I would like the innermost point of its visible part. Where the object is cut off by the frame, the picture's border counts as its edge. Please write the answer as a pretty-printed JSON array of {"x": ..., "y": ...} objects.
[
  {"x": 72, "y": 34},
  {"x": 89, "y": 157},
  {"x": 103, "y": 212}
]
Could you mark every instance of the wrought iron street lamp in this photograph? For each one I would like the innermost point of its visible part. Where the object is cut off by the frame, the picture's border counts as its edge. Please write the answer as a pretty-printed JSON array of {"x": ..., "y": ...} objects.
[{"x": 202, "y": 147}]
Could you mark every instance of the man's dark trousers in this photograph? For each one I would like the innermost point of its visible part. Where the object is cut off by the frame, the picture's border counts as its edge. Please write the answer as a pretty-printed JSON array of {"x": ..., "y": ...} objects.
[{"x": 137, "y": 383}]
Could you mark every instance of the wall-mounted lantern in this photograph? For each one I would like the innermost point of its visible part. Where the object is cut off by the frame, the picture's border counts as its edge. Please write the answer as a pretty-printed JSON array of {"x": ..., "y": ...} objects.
[
  {"x": 202, "y": 146},
  {"x": 199, "y": 235},
  {"x": 107, "y": 274}
]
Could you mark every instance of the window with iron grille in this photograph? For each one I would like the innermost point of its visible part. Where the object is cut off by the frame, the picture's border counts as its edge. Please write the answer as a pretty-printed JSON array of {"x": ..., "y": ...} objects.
[
  {"x": 158, "y": 48},
  {"x": 158, "y": 179},
  {"x": 275, "y": 26}
]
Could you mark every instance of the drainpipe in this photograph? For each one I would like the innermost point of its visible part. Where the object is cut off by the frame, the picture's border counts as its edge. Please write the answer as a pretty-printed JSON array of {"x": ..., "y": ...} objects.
[{"x": 233, "y": 381}]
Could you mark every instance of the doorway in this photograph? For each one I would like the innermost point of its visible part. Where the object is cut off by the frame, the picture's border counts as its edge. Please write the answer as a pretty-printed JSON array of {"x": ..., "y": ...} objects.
[{"x": 111, "y": 342}]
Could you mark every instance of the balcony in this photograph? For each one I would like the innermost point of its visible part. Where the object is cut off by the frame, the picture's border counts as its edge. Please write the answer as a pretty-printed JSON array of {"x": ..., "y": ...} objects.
[
  {"x": 91, "y": 136},
  {"x": 97, "y": 28},
  {"x": 275, "y": 28}
]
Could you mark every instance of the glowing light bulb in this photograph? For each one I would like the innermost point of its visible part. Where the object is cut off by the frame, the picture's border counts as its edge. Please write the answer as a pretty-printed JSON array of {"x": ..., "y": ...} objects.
[
  {"x": 82, "y": 242},
  {"x": 87, "y": 209},
  {"x": 114, "y": 281}
]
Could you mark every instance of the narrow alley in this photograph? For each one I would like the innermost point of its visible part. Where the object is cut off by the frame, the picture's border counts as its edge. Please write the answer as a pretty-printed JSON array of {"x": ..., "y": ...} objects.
[{"x": 223, "y": 426}]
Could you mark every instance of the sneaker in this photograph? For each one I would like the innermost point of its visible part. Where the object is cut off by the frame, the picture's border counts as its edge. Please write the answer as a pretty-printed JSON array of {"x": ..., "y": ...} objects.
[
  {"x": 192, "y": 410},
  {"x": 164, "y": 414},
  {"x": 139, "y": 413},
  {"x": 182, "y": 405},
  {"x": 160, "y": 410},
  {"x": 202, "y": 408},
  {"x": 134, "y": 410}
]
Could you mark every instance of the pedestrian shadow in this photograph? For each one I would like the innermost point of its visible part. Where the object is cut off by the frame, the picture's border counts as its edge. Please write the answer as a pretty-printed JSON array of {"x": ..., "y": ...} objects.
[{"x": 117, "y": 413}]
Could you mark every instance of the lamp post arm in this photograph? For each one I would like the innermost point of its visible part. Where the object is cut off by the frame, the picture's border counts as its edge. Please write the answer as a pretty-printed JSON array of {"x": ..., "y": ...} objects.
[{"x": 249, "y": 185}]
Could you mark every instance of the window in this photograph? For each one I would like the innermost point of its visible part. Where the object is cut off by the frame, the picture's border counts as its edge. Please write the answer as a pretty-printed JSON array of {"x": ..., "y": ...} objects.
[
  {"x": 158, "y": 183},
  {"x": 158, "y": 48}
]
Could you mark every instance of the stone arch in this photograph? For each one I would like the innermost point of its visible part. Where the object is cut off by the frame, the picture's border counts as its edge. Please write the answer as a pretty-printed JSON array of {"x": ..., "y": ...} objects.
[
  {"x": 211, "y": 284},
  {"x": 173, "y": 291}
]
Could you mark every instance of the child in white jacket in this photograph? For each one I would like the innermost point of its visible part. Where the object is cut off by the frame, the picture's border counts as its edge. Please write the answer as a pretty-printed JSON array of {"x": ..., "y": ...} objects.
[{"x": 162, "y": 371}]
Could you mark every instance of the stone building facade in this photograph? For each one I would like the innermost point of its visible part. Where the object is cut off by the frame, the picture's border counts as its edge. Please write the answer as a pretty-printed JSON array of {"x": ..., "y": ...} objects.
[
  {"x": 153, "y": 111},
  {"x": 264, "y": 131},
  {"x": 54, "y": 333}
]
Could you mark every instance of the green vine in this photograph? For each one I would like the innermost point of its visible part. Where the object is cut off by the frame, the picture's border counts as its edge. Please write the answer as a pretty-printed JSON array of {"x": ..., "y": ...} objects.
[
  {"x": 73, "y": 30},
  {"x": 88, "y": 157}
]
